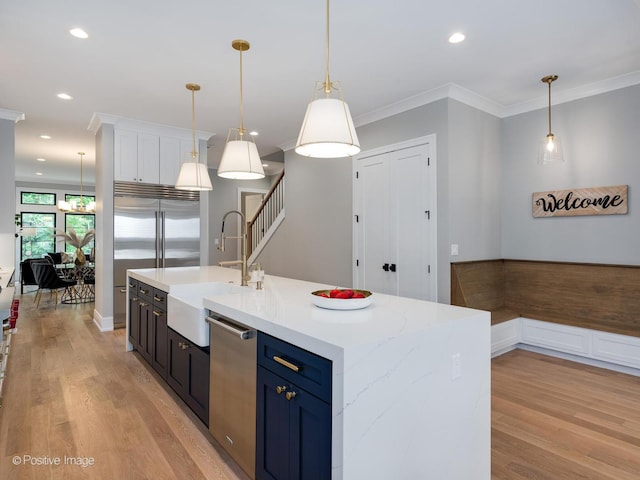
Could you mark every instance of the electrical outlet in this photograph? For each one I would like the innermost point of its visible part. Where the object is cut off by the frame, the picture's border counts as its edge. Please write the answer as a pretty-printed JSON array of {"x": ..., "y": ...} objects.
[
  {"x": 456, "y": 366},
  {"x": 454, "y": 249}
]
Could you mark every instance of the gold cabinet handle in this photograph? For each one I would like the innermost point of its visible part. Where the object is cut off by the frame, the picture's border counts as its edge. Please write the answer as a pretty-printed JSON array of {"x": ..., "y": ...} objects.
[
  {"x": 290, "y": 395},
  {"x": 123, "y": 290},
  {"x": 143, "y": 304},
  {"x": 143, "y": 291},
  {"x": 158, "y": 299},
  {"x": 290, "y": 365},
  {"x": 280, "y": 389},
  {"x": 156, "y": 313}
]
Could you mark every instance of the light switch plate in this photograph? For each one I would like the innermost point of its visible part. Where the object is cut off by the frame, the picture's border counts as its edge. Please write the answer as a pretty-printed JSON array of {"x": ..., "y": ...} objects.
[{"x": 454, "y": 249}]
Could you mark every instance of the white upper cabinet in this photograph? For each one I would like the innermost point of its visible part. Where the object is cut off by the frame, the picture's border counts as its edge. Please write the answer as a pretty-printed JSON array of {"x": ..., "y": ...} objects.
[
  {"x": 173, "y": 151},
  {"x": 137, "y": 157}
]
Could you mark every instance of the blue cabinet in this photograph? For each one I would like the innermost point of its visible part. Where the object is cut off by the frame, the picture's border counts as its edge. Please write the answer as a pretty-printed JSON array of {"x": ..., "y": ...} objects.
[{"x": 293, "y": 413}]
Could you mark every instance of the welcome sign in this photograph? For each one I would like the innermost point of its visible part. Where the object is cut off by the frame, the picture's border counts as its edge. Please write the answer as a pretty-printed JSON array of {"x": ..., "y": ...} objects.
[{"x": 581, "y": 201}]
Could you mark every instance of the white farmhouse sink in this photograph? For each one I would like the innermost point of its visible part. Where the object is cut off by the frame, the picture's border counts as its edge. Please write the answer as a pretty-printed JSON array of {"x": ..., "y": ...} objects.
[{"x": 185, "y": 312}]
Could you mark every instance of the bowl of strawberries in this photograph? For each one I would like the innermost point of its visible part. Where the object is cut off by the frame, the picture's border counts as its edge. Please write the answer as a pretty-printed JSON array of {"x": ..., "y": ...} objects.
[{"x": 342, "y": 299}]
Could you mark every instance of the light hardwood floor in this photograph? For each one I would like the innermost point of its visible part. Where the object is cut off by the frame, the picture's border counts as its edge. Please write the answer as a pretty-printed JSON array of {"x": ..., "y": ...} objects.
[{"x": 73, "y": 391}]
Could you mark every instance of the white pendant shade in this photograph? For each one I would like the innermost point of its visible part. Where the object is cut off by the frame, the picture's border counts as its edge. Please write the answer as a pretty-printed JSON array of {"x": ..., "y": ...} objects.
[
  {"x": 194, "y": 176},
  {"x": 327, "y": 130},
  {"x": 240, "y": 161}
]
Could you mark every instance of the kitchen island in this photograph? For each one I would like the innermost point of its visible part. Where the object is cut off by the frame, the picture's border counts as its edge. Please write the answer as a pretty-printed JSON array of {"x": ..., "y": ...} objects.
[{"x": 410, "y": 380}]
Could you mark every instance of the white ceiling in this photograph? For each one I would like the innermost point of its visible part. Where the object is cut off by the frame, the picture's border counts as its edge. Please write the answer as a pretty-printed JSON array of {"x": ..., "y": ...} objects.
[{"x": 141, "y": 53}]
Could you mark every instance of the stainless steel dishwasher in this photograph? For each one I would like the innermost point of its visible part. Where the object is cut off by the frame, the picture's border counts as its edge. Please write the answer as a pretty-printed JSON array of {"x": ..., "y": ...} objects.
[{"x": 232, "y": 399}]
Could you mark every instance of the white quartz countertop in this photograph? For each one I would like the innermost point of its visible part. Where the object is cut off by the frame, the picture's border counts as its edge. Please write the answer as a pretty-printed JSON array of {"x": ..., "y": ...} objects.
[{"x": 283, "y": 308}]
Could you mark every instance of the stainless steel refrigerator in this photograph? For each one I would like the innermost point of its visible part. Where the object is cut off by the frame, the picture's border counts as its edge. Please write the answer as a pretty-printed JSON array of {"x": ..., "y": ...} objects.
[{"x": 154, "y": 226}]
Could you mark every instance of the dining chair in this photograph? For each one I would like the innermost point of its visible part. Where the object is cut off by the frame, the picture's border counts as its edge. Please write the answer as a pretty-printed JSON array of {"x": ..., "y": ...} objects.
[{"x": 48, "y": 279}]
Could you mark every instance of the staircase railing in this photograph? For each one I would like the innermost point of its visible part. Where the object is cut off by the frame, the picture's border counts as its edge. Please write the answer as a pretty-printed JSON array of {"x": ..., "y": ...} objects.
[{"x": 267, "y": 216}]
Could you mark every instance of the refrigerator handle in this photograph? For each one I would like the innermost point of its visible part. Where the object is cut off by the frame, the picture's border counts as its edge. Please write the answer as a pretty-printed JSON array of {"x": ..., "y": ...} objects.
[
  {"x": 157, "y": 240},
  {"x": 163, "y": 214}
]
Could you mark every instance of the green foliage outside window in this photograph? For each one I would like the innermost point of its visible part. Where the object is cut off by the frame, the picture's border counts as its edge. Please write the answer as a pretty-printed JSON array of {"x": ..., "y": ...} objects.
[
  {"x": 34, "y": 198},
  {"x": 42, "y": 242},
  {"x": 81, "y": 223},
  {"x": 76, "y": 198}
]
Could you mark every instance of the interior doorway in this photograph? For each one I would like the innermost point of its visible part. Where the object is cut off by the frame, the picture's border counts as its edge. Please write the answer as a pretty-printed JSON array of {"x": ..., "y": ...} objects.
[{"x": 395, "y": 219}]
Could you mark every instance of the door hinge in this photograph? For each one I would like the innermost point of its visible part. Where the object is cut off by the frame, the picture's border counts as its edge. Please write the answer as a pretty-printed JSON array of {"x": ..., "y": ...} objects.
[
  {"x": 357, "y": 174},
  {"x": 357, "y": 263},
  {"x": 357, "y": 218},
  {"x": 428, "y": 268},
  {"x": 428, "y": 161},
  {"x": 428, "y": 214}
]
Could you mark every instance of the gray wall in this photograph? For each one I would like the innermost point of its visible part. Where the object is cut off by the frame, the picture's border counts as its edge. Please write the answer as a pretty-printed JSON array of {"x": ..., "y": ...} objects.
[
  {"x": 315, "y": 241},
  {"x": 601, "y": 140},
  {"x": 7, "y": 193}
]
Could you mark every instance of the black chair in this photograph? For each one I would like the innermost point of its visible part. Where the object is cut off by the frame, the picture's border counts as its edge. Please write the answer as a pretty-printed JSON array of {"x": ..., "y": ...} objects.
[
  {"x": 56, "y": 257},
  {"x": 26, "y": 272},
  {"x": 48, "y": 279}
]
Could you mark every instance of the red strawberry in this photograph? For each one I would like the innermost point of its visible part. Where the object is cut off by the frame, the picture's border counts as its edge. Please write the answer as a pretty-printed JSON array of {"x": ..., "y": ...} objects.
[
  {"x": 334, "y": 293},
  {"x": 358, "y": 295},
  {"x": 323, "y": 294}
]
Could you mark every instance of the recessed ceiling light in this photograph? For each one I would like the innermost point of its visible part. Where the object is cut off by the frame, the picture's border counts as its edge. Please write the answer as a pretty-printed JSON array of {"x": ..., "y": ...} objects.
[
  {"x": 41, "y": 159},
  {"x": 65, "y": 96},
  {"x": 78, "y": 33},
  {"x": 253, "y": 133},
  {"x": 45, "y": 137},
  {"x": 38, "y": 173},
  {"x": 457, "y": 37}
]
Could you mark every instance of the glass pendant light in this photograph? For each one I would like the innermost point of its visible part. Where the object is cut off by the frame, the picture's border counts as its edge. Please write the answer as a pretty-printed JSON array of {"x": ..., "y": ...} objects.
[
  {"x": 327, "y": 129},
  {"x": 240, "y": 159},
  {"x": 550, "y": 150},
  {"x": 193, "y": 174},
  {"x": 77, "y": 206}
]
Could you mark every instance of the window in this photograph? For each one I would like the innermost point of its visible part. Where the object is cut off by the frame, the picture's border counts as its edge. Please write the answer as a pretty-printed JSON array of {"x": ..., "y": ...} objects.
[
  {"x": 81, "y": 223},
  {"x": 35, "y": 198},
  {"x": 86, "y": 199},
  {"x": 43, "y": 242}
]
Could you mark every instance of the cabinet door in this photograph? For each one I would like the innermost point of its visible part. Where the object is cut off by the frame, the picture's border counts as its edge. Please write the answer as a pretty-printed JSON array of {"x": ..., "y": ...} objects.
[
  {"x": 198, "y": 386},
  {"x": 145, "y": 334},
  {"x": 134, "y": 319},
  {"x": 273, "y": 448},
  {"x": 148, "y": 158},
  {"x": 311, "y": 437},
  {"x": 160, "y": 343},
  {"x": 173, "y": 151},
  {"x": 178, "y": 364},
  {"x": 126, "y": 156}
]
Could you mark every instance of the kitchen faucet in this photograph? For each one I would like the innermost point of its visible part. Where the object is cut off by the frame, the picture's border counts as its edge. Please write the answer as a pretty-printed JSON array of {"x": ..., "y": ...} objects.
[{"x": 243, "y": 250}]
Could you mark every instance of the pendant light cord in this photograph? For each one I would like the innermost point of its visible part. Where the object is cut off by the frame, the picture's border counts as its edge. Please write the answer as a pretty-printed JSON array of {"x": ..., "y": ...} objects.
[
  {"x": 327, "y": 81},
  {"x": 81, "y": 201},
  {"x": 549, "y": 83},
  {"x": 241, "y": 102},
  {"x": 193, "y": 123}
]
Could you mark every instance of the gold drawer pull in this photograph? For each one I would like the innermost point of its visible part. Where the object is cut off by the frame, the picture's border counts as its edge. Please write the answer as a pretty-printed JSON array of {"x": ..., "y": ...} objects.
[
  {"x": 290, "y": 365},
  {"x": 280, "y": 389},
  {"x": 142, "y": 304},
  {"x": 158, "y": 299},
  {"x": 157, "y": 314}
]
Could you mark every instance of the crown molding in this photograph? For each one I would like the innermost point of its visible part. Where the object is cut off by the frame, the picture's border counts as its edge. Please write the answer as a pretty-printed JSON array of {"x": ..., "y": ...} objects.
[
  {"x": 98, "y": 119},
  {"x": 12, "y": 115}
]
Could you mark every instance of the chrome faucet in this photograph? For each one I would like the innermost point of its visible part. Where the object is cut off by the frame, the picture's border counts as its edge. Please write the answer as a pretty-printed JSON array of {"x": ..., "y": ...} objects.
[{"x": 243, "y": 250}]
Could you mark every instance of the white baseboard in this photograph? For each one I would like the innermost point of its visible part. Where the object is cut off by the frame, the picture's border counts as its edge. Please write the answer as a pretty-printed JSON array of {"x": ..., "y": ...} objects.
[
  {"x": 602, "y": 349},
  {"x": 104, "y": 324}
]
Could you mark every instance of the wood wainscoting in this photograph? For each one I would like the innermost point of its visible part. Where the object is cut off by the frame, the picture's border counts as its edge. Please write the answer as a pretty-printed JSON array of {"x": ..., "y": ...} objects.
[{"x": 593, "y": 296}]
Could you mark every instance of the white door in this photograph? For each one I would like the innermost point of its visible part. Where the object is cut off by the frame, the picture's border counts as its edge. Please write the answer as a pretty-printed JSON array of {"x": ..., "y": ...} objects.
[{"x": 395, "y": 221}]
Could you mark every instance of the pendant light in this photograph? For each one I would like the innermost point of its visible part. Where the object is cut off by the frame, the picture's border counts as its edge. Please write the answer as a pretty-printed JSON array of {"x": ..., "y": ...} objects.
[
  {"x": 75, "y": 206},
  {"x": 240, "y": 159},
  {"x": 327, "y": 129},
  {"x": 193, "y": 174},
  {"x": 550, "y": 150}
]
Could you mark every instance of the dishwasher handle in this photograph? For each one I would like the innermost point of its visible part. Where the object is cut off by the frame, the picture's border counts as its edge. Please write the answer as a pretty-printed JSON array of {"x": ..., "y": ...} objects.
[{"x": 242, "y": 332}]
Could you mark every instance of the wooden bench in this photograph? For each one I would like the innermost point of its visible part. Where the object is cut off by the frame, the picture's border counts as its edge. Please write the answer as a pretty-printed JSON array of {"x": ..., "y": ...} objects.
[{"x": 594, "y": 296}]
